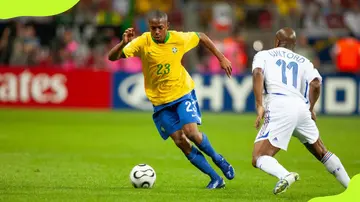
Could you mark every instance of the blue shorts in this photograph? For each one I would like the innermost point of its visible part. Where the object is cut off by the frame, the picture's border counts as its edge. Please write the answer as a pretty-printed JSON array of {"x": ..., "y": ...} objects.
[{"x": 171, "y": 117}]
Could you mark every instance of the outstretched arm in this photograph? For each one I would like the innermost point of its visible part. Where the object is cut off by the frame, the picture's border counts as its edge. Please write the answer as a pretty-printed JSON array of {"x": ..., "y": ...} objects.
[
  {"x": 209, "y": 44},
  {"x": 117, "y": 51}
]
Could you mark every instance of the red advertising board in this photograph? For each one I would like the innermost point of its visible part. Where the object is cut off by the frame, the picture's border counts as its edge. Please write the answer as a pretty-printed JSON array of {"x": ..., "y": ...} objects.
[{"x": 50, "y": 87}]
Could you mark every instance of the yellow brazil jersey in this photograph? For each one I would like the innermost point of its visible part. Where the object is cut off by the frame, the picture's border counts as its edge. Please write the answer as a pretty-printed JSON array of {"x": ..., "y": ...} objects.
[{"x": 165, "y": 78}]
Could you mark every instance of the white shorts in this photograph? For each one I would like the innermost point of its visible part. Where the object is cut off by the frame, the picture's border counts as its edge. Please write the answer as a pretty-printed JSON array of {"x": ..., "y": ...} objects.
[{"x": 283, "y": 117}]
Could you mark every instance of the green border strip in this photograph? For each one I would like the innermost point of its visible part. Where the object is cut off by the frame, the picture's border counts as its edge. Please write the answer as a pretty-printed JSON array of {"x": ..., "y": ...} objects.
[
  {"x": 351, "y": 194},
  {"x": 34, "y": 8}
]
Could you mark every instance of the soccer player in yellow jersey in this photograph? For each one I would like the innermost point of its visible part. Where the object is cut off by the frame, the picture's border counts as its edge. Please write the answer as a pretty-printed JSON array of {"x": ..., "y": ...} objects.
[{"x": 171, "y": 89}]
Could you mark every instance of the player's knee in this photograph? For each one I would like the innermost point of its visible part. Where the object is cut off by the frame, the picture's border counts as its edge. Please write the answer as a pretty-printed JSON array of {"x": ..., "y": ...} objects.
[
  {"x": 181, "y": 142},
  {"x": 191, "y": 131},
  {"x": 178, "y": 142}
]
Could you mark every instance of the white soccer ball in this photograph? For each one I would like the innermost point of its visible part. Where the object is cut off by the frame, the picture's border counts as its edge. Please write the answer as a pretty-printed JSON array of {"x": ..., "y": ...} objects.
[{"x": 143, "y": 176}]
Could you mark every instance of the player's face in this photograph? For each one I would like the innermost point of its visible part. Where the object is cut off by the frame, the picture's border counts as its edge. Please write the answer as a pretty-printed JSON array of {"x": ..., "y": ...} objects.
[{"x": 158, "y": 29}]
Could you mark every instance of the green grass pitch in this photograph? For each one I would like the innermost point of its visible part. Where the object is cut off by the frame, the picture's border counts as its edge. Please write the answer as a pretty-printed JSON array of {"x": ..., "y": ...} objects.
[{"x": 87, "y": 156}]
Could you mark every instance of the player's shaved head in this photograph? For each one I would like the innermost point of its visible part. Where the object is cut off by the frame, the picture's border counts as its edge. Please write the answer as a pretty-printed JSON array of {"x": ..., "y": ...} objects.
[
  {"x": 157, "y": 15},
  {"x": 285, "y": 37}
]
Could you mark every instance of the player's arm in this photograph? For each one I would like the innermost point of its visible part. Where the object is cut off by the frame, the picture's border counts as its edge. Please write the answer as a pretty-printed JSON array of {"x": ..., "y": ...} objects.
[
  {"x": 314, "y": 92},
  {"x": 258, "y": 87},
  {"x": 258, "y": 67},
  {"x": 117, "y": 51},
  {"x": 314, "y": 89},
  {"x": 209, "y": 44}
]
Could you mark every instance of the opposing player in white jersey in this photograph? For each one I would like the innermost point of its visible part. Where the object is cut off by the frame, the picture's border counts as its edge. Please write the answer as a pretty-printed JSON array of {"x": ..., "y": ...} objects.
[{"x": 281, "y": 78}]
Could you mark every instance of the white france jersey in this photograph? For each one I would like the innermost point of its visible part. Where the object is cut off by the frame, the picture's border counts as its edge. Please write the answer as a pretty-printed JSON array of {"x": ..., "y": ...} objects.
[{"x": 285, "y": 73}]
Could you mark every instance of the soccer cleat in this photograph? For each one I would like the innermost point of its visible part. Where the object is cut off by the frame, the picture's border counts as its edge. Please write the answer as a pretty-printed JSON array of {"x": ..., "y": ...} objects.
[
  {"x": 226, "y": 168},
  {"x": 216, "y": 183},
  {"x": 283, "y": 184}
]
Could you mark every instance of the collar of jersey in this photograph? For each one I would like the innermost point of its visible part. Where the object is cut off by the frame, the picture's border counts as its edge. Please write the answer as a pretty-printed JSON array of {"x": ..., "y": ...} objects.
[{"x": 166, "y": 38}]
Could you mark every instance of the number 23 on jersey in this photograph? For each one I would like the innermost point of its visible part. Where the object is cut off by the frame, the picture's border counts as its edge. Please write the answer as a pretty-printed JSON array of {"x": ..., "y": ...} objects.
[{"x": 163, "y": 69}]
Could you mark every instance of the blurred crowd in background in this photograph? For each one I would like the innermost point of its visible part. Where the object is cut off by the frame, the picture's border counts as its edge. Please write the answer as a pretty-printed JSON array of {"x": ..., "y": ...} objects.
[{"x": 327, "y": 31}]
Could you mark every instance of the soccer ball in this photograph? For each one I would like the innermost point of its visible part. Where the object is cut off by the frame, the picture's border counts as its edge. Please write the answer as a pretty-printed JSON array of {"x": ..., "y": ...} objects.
[{"x": 143, "y": 176}]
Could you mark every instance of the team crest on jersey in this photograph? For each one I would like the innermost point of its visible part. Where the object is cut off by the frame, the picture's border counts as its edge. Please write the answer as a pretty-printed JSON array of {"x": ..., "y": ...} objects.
[
  {"x": 162, "y": 129},
  {"x": 174, "y": 50}
]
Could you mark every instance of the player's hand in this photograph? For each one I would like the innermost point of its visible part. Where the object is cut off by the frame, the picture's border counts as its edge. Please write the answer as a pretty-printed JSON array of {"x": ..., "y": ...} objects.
[
  {"x": 260, "y": 116},
  {"x": 313, "y": 115},
  {"x": 226, "y": 66},
  {"x": 128, "y": 35}
]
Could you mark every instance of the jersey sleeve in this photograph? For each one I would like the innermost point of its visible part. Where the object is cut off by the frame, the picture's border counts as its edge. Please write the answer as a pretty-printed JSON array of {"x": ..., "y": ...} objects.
[
  {"x": 312, "y": 74},
  {"x": 135, "y": 47},
  {"x": 259, "y": 61},
  {"x": 191, "y": 40}
]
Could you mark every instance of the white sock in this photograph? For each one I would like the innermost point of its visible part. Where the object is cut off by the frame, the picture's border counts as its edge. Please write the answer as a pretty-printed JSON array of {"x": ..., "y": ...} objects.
[
  {"x": 271, "y": 166},
  {"x": 335, "y": 167}
]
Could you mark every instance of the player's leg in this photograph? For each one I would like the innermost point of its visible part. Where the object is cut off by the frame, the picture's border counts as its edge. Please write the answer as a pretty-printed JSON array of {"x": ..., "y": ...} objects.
[
  {"x": 330, "y": 161},
  {"x": 190, "y": 117},
  {"x": 168, "y": 125},
  {"x": 203, "y": 143},
  {"x": 308, "y": 134},
  {"x": 263, "y": 158},
  {"x": 274, "y": 135},
  {"x": 193, "y": 154},
  {"x": 201, "y": 140},
  {"x": 182, "y": 142},
  {"x": 198, "y": 138}
]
